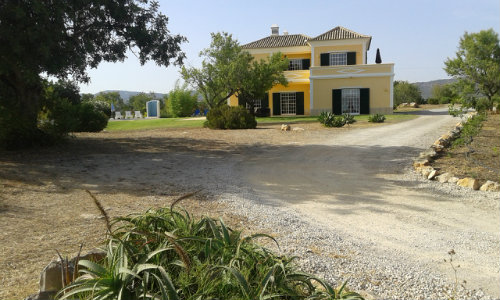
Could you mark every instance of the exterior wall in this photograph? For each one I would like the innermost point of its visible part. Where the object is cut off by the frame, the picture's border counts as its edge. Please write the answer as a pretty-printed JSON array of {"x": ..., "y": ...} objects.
[
  {"x": 348, "y": 48},
  {"x": 291, "y": 88},
  {"x": 380, "y": 92},
  {"x": 298, "y": 55}
]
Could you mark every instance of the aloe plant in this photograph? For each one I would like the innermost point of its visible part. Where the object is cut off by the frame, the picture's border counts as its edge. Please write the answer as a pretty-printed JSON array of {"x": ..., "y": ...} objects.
[{"x": 167, "y": 254}]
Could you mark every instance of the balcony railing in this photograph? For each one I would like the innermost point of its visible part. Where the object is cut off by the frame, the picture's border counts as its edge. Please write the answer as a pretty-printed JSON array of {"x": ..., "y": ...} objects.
[{"x": 352, "y": 71}]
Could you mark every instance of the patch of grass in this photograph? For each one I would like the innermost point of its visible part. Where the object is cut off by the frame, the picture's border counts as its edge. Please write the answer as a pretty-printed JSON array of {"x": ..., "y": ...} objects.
[
  {"x": 146, "y": 124},
  {"x": 154, "y": 124},
  {"x": 167, "y": 254}
]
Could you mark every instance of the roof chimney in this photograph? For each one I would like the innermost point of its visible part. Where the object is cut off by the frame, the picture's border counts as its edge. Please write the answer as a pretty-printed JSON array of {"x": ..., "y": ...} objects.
[
  {"x": 285, "y": 32},
  {"x": 275, "y": 30}
]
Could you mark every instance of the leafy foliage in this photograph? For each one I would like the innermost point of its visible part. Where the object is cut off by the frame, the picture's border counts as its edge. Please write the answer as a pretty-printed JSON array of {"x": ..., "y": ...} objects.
[
  {"x": 260, "y": 77},
  {"x": 138, "y": 102},
  {"x": 181, "y": 101},
  {"x": 328, "y": 119},
  {"x": 230, "y": 117},
  {"x": 348, "y": 118},
  {"x": 376, "y": 118},
  {"x": 223, "y": 66},
  {"x": 405, "y": 92},
  {"x": 62, "y": 39},
  {"x": 476, "y": 66},
  {"x": 470, "y": 130},
  {"x": 444, "y": 94},
  {"x": 166, "y": 254}
]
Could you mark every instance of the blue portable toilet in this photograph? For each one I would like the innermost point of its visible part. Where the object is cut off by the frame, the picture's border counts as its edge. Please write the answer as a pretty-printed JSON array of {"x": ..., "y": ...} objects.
[{"x": 153, "y": 109}]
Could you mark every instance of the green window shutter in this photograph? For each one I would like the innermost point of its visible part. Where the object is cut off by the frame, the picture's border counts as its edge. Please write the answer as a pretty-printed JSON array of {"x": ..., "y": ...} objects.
[
  {"x": 364, "y": 101},
  {"x": 337, "y": 102},
  {"x": 306, "y": 63},
  {"x": 299, "y": 108},
  {"x": 351, "y": 58},
  {"x": 241, "y": 102},
  {"x": 265, "y": 101},
  {"x": 325, "y": 59},
  {"x": 276, "y": 104}
]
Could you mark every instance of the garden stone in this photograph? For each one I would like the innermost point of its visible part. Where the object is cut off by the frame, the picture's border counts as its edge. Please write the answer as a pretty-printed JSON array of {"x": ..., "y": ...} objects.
[
  {"x": 421, "y": 163},
  {"x": 453, "y": 179},
  {"x": 444, "y": 177},
  {"x": 426, "y": 171},
  {"x": 490, "y": 186},
  {"x": 285, "y": 127},
  {"x": 469, "y": 183},
  {"x": 432, "y": 174}
]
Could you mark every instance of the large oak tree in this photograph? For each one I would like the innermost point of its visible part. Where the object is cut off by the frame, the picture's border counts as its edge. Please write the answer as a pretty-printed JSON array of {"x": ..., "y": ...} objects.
[{"x": 62, "y": 38}]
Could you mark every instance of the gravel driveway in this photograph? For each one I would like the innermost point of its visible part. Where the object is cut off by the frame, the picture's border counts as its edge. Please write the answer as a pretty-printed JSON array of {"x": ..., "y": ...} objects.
[{"x": 351, "y": 206}]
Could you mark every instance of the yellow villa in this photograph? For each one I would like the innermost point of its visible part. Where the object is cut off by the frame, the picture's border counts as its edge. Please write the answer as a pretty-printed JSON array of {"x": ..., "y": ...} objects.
[{"x": 328, "y": 72}]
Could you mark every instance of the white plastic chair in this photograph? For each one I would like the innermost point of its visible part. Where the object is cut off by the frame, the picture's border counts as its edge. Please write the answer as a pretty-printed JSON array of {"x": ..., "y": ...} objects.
[
  {"x": 118, "y": 115},
  {"x": 128, "y": 114},
  {"x": 137, "y": 114}
]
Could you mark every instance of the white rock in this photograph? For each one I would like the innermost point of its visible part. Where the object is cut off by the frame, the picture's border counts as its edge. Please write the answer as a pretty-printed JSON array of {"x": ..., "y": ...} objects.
[{"x": 490, "y": 186}]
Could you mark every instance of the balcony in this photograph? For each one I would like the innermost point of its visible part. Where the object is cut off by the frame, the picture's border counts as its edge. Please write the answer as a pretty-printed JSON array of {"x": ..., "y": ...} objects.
[{"x": 372, "y": 70}]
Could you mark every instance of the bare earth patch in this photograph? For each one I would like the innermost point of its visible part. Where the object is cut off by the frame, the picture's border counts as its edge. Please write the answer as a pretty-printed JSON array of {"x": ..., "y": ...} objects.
[{"x": 484, "y": 161}]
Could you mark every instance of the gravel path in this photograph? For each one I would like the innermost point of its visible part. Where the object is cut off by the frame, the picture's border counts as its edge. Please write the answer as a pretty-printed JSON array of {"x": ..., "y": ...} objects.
[{"x": 350, "y": 207}]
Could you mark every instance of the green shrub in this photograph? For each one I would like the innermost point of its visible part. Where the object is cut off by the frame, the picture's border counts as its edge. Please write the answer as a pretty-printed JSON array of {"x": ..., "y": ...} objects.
[
  {"x": 166, "y": 254},
  {"x": 471, "y": 128},
  {"x": 101, "y": 106},
  {"x": 456, "y": 112},
  {"x": 181, "y": 101},
  {"x": 376, "y": 118},
  {"x": 90, "y": 118},
  {"x": 330, "y": 120},
  {"x": 230, "y": 117},
  {"x": 444, "y": 100},
  {"x": 483, "y": 104},
  {"x": 432, "y": 101},
  {"x": 348, "y": 119}
]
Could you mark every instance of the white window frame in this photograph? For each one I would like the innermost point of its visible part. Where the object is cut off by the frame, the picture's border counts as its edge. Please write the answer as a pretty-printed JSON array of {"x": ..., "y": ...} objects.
[
  {"x": 288, "y": 103},
  {"x": 338, "y": 58},
  {"x": 351, "y": 101},
  {"x": 294, "y": 64}
]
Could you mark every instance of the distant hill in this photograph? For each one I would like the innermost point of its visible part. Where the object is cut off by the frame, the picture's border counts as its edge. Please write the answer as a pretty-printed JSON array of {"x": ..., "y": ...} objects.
[
  {"x": 127, "y": 94},
  {"x": 426, "y": 87}
]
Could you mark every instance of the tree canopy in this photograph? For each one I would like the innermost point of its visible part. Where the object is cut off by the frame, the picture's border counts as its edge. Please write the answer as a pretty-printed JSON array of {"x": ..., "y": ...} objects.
[
  {"x": 224, "y": 64},
  {"x": 477, "y": 64},
  {"x": 229, "y": 70},
  {"x": 405, "y": 92},
  {"x": 260, "y": 77},
  {"x": 62, "y": 39}
]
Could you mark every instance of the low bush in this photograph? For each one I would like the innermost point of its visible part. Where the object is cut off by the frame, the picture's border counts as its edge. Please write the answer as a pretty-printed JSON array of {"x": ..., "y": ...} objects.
[
  {"x": 376, "y": 118},
  {"x": 328, "y": 119},
  {"x": 456, "y": 111},
  {"x": 432, "y": 101},
  {"x": 167, "y": 254},
  {"x": 230, "y": 117},
  {"x": 470, "y": 130},
  {"x": 90, "y": 118},
  {"x": 483, "y": 104},
  {"x": 348, "y": 119}
]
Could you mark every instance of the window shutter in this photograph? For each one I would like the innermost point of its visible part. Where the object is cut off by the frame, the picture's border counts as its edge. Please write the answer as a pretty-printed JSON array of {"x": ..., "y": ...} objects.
[
  {"x": 299, "y": 108},
  {"x": 364, "y": 101},
  {"x": 325, "y": 59},
  {"x": 241, "y": 102},
  {"x": 276, "y": 104},
  {"x": 337, "y": 102},
  {"x": 306, "y": 63},
  {"x": 265, "y": 101},
  {"x": 351, "y": 58}
]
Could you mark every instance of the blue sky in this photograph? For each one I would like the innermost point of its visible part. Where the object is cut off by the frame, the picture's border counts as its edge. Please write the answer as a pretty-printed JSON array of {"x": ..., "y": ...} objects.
[{"x": 417, "y": 36}]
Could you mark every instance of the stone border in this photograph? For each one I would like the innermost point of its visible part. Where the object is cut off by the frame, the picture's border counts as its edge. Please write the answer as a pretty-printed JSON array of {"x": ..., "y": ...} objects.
[{"x": 422, "y": 163}]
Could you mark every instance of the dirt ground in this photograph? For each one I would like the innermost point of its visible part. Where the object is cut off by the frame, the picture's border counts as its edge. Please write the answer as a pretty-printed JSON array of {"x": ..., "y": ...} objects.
[
  {"x": 44, "y": 206},
  {"x": 484, "y": 161}
]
